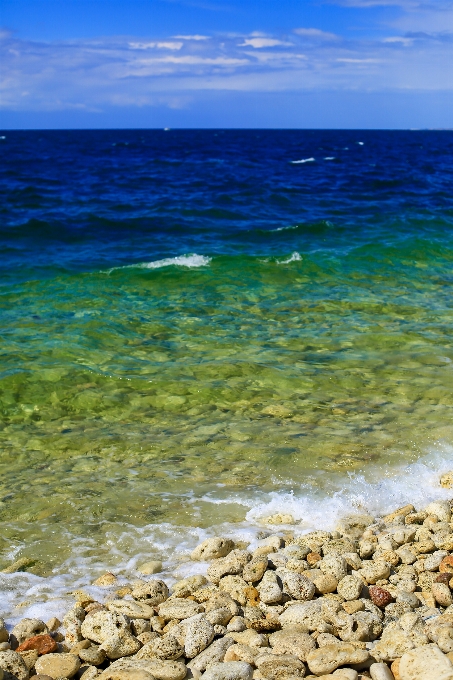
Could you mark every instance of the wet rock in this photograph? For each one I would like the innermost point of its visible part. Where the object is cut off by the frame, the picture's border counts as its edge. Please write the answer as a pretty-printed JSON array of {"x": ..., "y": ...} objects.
[
  {"x": 427, "y": 662},
  {"x": 232, "y": 670},
  {"x": 4, "y": 635},
  {"x": 152, "y": 592},
  {"x": 12, "y": 663},
  {"x": 106, "y": 580},
  {"x": 212, "y": 548},
  {"x": 151, "y": 567},
  {"x": 447, "y": 480},
  {"x": 441, "y": 509},
  {"x": 328, "y": 658},
  {"x": 58, "y": 665}
]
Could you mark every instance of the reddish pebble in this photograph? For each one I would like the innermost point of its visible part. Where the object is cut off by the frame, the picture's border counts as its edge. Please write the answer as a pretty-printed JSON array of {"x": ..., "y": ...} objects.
[
  {"x": 313, "y": 558},
  {"x": 379, "y": 596},
  {"x": 443, "y": 578},
  {"x": 44, "y": 644},
  {"x": 446, "y": 566}
]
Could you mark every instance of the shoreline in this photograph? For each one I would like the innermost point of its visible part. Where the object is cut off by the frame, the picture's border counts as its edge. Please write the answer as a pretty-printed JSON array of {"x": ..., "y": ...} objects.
[{"x": 375, "y": 590}]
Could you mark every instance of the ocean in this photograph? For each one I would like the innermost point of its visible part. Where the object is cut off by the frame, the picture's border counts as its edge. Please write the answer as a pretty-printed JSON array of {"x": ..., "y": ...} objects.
[{"x": 202, "y": 328}]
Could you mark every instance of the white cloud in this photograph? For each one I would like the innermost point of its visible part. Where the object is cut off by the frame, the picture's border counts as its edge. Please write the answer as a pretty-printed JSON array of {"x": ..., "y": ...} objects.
[
  {"x": 258, "y": 43},
  {"x": 168, "y": 45},
  {"x": 315, "y": 33},
  {"x": 191, "y": 37},
  {"x": 92, "y": 74}
]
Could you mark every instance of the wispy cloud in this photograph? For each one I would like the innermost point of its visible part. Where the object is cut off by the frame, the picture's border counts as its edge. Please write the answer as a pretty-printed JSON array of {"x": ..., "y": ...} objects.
[
  {"x": 315, "y": 33},
  {"x": 137, "y": 71}
]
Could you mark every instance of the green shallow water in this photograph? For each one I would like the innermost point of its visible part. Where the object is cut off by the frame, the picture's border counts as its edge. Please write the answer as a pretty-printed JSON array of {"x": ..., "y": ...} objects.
[{"x": 128, "y": 396}]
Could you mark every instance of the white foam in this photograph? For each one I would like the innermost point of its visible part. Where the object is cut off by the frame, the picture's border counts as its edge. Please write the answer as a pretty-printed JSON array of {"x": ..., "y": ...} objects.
[
  {"x": 189, "y": 260},
  {"x": 179, "y": 261},
  {"x": 294, "y": 257},
  {"x": 329, "y": 158},
  {"x": 316, "y": 503},
  {"x": 303, "y": 160},
  {"x": 360, "y": 143}
]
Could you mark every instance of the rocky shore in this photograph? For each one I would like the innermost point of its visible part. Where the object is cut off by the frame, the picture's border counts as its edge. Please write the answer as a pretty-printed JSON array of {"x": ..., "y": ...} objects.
[{"x": 372, "y": 599}]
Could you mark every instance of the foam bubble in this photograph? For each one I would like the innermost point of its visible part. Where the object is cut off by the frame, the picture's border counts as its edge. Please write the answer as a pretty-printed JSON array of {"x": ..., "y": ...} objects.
[{"x": 189, "y": 260}]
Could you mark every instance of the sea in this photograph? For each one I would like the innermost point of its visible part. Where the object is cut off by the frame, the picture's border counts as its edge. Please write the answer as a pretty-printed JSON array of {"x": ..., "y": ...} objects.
[{"x": 200, "y": 329}]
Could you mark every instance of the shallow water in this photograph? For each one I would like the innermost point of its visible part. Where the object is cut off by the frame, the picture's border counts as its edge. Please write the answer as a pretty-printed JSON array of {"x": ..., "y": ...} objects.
[{"x": 194, "y": 327}]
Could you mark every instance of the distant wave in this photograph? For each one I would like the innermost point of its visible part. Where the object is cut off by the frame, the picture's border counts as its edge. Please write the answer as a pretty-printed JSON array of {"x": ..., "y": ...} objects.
[{"x": 303, "y": 160}]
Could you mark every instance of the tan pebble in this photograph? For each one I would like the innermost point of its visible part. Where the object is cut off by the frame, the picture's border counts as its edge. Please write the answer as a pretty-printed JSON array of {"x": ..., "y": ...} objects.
[
  {"x": 212, "y": 548},
  {"x": 395, "y": 668},
  {"x": 442, "y": 594},
  {"x": 426, "y": 662},
  {"x": 353, "y": 606},
  {"x": 58, "y": 665},
  {"x": 149, "y": 568},
  {"x": 30, "y": 656},
  {"x": 53, "y": 624},
  {"x": 447, "y": 480},
  {"x": 107, "y": 579},
  {"x": 401, "y": 512},
  {"x": 279, "y": 518},
  {"x": 83, "y": 644},
  {"x": 313, "y": 558},
  {"x": 123, "y": 591}
]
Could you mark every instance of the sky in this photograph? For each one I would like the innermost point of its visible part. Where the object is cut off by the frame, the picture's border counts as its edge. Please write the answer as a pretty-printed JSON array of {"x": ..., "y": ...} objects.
[{"x": 226, "y": 63}]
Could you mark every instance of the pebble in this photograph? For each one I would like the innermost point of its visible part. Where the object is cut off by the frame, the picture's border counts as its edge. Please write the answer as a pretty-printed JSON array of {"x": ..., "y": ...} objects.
[
  {"x": 328, "y": 600},
  {"x": 43, "y": 644},
  {"x": 328, "y": 658},
  {"x": 212, "y": 548},
  {"x": 427, "y": 662},
  {"x": 58, "y": 665},
  {"x": 232, "y": 670},
  {"x": 12, "y": 663},
  {"x": 151, "y": 567}
]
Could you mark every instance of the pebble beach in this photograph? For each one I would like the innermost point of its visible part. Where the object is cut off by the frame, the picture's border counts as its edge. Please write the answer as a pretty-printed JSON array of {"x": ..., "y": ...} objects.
[{"x": 373, "y": 598}]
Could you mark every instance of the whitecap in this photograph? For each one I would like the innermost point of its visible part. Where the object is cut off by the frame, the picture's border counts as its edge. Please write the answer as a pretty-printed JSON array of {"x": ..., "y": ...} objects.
[
  {"x": 189, "y": 260},
  {"x": 193, "y": 260},
  {"x": 303, "y": 160},
  {"x": 329, "y": 158},
  {"x": 294, "y": 257},
  {"x": 360, "y": 143}
]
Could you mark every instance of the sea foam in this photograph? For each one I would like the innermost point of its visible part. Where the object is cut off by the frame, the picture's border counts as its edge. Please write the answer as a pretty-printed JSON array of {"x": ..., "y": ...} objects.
[{"x": 316, "y": 503}]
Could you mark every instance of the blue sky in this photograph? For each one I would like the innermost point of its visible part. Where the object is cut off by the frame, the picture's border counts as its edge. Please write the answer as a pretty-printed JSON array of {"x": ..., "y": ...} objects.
[{"x": 226, "y": 63}]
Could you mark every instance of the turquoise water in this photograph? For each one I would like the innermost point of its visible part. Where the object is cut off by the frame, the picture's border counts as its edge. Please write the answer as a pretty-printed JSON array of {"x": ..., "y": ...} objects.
[{"x": 189, "y": 327}]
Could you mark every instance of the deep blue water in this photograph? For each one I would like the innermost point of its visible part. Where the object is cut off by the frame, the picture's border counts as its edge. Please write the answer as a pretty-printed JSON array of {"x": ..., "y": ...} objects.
[{"x": 84, "y": 200}]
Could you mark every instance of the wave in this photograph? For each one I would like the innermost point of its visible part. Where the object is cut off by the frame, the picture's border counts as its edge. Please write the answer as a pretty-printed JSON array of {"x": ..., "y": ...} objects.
[
  {"x": 318, "y": 503},
  {"x": 189, "y": 260}
]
